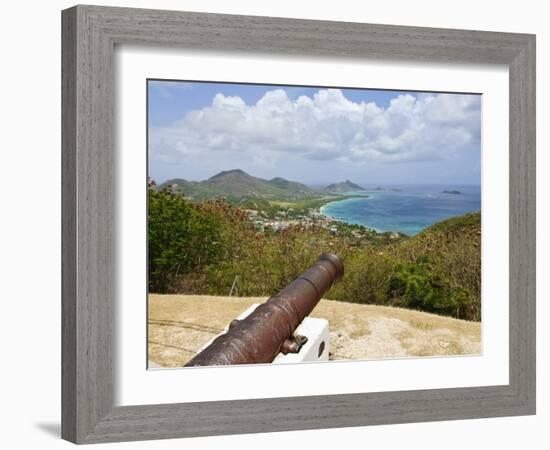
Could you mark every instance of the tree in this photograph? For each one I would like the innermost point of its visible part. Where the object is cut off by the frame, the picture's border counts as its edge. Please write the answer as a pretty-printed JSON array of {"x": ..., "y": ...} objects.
[{"x": 181, "y": 238}]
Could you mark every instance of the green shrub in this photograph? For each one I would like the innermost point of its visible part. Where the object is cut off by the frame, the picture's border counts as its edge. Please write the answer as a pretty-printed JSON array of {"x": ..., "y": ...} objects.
[
  {"x": 180, "y": 239},
  {"x": 423, "y": 287},
  {"x": 367, "y": 277}
]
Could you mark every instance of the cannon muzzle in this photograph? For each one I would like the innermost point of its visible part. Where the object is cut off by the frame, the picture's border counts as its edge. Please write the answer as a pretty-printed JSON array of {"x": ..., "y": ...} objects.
[{"x": 269, "y": 329}]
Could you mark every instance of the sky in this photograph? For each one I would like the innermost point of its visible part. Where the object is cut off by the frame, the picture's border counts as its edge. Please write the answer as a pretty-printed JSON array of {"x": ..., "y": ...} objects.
[{"x": 315, "y": 135}]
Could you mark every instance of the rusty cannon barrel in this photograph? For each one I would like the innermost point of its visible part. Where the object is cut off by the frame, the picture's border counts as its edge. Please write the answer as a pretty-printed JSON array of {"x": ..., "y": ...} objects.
[{"x": 269, "y": 329}]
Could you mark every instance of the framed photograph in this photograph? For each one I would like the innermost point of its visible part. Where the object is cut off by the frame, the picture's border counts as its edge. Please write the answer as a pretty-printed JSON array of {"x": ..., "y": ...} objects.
[
  {"x": 247, "y": 183},
  {"x": 278, "y": 224}
]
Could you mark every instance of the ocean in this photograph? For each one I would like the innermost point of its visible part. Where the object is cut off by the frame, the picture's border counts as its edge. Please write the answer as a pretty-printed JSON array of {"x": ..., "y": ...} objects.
[{"x": 405, "y": 209}]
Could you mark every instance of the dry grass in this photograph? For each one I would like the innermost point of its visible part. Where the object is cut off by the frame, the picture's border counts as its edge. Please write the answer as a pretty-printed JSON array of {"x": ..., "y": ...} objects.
[{"x": 180, "y": 324}]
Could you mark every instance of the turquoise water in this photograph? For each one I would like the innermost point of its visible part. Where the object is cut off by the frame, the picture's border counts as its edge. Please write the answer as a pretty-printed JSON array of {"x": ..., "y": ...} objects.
[{"x": 409, "y": 210}]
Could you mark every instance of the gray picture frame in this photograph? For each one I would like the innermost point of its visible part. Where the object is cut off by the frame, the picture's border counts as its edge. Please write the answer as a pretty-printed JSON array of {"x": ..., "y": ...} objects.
[{"x": 90, "y": 34}]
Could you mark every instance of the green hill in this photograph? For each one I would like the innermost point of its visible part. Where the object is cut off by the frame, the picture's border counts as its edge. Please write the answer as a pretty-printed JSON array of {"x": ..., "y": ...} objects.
[
  {"x": 342, "y": 187},
  {"x": 291, "y": 186},
  {"x": 237, "y": 184}
]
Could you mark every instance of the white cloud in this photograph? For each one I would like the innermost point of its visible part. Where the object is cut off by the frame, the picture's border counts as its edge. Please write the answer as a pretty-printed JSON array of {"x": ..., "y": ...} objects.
[{"x": 326, "y": 126}]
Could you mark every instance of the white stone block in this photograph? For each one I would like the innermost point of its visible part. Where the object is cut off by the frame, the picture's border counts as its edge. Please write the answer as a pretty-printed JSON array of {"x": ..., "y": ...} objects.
[
  {"x": 315, "y": 349},
  {"x": 317, "y": 346}
]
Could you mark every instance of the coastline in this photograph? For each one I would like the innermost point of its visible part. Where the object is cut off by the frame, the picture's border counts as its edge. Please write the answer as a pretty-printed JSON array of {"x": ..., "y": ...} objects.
[
  {"x": 345, "y": 197},
  {"x": 407, "y": 212}
]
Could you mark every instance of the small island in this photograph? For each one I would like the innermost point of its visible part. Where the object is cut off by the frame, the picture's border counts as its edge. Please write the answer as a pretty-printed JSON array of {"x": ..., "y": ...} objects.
[
  {"x": 342, "y": 187},
  {"x": 452, "y": 192}
]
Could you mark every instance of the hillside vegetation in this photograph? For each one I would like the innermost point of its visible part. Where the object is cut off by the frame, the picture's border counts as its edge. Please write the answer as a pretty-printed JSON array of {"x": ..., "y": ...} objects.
[
  {"x": 211, "y": 247},
  {"x": 246, "y": 191},
  {"x": 237, "y": 184}
]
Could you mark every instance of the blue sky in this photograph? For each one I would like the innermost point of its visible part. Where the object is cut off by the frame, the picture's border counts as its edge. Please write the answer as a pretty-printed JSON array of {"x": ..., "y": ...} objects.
[{"x": 313, "y": 134}]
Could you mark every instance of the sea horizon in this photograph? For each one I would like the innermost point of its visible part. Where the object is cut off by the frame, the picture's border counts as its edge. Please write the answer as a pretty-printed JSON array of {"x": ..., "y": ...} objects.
[{"x": 316, "y": 185}]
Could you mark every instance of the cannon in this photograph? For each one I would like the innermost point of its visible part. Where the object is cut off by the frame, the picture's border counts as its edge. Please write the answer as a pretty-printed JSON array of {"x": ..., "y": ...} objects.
[{"x": 269, "y": 329}]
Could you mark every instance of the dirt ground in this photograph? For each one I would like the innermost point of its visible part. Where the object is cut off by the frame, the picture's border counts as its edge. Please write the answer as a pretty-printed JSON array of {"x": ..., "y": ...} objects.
[{"x": 179, "y": 325}]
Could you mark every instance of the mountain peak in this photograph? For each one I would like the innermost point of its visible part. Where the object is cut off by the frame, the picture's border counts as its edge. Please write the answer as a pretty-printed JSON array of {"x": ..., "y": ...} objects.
[
  {"x": 224, "y": 173},
  {"x": 237, "y": 184},
  {"x": 342, "y": 187}
]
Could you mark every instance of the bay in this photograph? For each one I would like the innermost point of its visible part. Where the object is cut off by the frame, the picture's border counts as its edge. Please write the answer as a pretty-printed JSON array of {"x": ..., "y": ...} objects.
[{"x": 407, "y": 209}]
